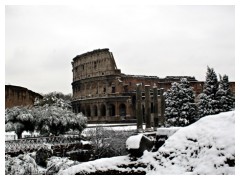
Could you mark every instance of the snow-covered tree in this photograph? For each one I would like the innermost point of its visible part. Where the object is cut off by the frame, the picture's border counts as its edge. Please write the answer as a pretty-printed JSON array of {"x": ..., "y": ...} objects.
[
  {"x": 224, "y": 95},
  {"x": 56, "y": 120},
  {"x": 54, "y": 99},
  {"x": 53, "y": 115},
  {"x": 208, "y": 103},
  {"x": 19, "y": 119},
  {"x": 179, "y": 102}
]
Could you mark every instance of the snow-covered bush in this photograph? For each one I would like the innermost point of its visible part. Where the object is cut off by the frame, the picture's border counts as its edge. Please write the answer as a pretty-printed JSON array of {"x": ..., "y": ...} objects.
[
  {"x": 108, "y": 142},
  {"x": 179, "y": 102},
  {"x": 56, "y": 164},
  {"x": 23, "y": 164}
]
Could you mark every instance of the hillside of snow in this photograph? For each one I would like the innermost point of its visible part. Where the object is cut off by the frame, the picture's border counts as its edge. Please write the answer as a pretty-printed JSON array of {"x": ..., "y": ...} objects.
[{"x": 205, "y": 147}]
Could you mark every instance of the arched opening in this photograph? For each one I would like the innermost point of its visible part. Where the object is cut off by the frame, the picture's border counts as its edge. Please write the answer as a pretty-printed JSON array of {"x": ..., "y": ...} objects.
[
  {"x": 111, "y": 110},
  {"x": 103, "y": 110},
  {"x": 88, "y": 111},
  {"x": 143, "y": 113},
  {"x": 78, "y": 108},
  {"x": 94, "y": 110},
  {"x": 122, "y": 110},
  {"x": 152, "y": 108},
  {"x": 83, "y": 111},
  {"x": 133, "y": 107}
]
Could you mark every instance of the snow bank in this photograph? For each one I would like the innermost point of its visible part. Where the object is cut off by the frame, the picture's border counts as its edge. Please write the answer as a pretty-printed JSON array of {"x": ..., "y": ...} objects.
[
  {"x": 103, "y": 164},
  {"x": 133, "y": 142},
  {"x": 205, "y": 147}
]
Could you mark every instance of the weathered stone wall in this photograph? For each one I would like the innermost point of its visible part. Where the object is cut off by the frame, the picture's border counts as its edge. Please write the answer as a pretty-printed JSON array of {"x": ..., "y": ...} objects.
[{"x": 19, "y": 96}]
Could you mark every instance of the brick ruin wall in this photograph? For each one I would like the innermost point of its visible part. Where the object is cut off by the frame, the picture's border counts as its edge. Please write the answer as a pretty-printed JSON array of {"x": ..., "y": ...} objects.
[{"x": 19, "y": 96}]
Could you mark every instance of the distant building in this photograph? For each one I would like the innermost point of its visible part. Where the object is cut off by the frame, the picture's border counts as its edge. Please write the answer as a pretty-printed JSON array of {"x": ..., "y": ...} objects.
[
  {"x": 104, "y": 94},
  {"x": 10, "y": 136},
  {"x": 19, "y": 96}
]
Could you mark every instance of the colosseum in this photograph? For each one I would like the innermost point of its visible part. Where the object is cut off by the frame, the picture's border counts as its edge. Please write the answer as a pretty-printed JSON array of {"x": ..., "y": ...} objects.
[{"x": 104, "y": 94}]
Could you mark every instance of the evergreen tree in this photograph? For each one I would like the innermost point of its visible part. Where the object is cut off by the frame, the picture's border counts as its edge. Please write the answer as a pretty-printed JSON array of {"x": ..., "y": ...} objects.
[
  {"x": 208, "y": 103},
  {"x": 224, "y": 95},
  {"x": 180, "y": 107}
]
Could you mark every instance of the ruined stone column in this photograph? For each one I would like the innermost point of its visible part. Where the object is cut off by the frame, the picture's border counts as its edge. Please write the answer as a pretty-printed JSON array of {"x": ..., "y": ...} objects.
[
  {"x": 147, "y": 108},
  {"x": 139, "y": 109},
  {"x": 162, "y": 110},
  {"x": 155, "y": 107}
]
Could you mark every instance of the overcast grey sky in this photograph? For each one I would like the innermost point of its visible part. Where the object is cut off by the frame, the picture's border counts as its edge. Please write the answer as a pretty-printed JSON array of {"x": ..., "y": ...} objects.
[{"x": 41, "y": 41}]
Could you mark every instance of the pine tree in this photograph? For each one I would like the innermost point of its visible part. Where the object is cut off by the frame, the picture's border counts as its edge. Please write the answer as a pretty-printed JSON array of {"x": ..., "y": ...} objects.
[
  {"x": 208, "y": 103},
  {"x": 180, "y": 107},
  {"x": 224, "y": 95}
]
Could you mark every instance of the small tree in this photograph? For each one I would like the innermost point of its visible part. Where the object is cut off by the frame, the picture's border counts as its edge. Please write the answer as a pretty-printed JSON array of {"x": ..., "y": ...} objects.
[
  {"x": 179, "y": 102},
  {"x": 208, "y": 103},
  {"x": 224, "y": 95}
]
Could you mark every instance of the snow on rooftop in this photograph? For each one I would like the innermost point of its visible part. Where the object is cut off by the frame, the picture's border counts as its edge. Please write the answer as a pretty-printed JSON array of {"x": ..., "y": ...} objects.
[
  {"x": 205, "y": 147},
  {"x": 133, "y": 142},
  {"x": 26, "y": 133},
  {"x": 10, "y": 133}
]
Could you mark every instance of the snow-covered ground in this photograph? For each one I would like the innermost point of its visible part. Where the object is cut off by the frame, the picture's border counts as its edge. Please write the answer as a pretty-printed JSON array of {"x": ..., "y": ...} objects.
[
  {"x": 205, "y": 147},
  {"x": 114, "y": 128}
]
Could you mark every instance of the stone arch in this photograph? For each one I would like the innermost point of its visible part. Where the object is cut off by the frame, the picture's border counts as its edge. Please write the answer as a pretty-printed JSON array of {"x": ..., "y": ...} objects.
[
  {"x": 143, "y": 112},
  {"x": 95, "y": 110},
  {"x": 122, "y": 109},
  {"x": 112, "y": 111},
  {"x": 103, "y": 110},
  {"x": 88, "y": 111},
  {"x": 83, "y": 111},
  {"x": 134, "y": 100}
]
